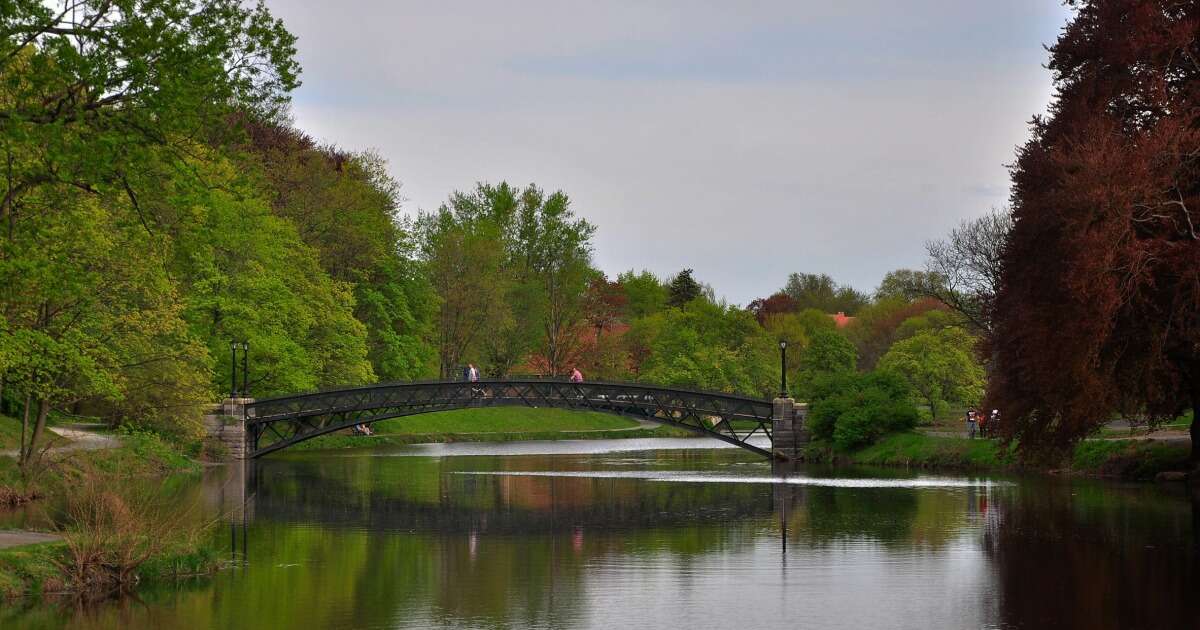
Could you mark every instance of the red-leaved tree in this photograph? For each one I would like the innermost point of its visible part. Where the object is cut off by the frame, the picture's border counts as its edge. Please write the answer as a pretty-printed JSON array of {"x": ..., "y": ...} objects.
[
  {"x": 1099, "y": 304},
  {"x": 777, "y": 304}
]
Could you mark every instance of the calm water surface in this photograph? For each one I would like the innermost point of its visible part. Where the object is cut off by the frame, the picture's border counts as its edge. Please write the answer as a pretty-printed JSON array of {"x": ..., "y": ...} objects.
[{"x": 662, "y": 534}]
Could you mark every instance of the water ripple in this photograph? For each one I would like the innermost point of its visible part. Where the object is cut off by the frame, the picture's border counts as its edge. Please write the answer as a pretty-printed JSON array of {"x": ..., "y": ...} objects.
[{"x": 699, "y": 477}]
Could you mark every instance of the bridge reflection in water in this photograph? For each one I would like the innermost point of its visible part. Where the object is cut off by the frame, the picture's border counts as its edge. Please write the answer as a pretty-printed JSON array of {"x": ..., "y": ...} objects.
[{"x": 277, "y": 423}]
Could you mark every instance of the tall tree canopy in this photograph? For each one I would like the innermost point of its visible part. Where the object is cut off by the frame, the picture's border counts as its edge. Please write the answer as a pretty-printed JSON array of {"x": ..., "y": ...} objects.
[
  {"x": 94, "y": 90},
  {"x": 512, "y": 267},
  {"x": 1099, "y": 306},
  {"x": 684, "y": 289},
  {"x": 819, "y": 291}
]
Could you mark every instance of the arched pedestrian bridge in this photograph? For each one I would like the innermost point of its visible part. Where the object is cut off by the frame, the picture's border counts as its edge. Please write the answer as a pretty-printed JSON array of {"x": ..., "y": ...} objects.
[{"x": 277, "y": 423}]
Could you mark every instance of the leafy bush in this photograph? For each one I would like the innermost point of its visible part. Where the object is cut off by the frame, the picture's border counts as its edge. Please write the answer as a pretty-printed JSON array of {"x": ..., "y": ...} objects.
[{"x": 853, "y": 410}]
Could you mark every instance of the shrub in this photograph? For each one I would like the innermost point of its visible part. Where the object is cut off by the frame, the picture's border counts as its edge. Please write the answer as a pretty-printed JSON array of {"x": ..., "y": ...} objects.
[
  {"x": 854, "y": 410},
  {"x": 112, "y": 529}
]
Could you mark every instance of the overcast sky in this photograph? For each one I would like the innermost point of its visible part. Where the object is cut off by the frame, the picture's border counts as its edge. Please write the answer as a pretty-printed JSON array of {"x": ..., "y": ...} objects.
[{"x": 746, "y": 140}]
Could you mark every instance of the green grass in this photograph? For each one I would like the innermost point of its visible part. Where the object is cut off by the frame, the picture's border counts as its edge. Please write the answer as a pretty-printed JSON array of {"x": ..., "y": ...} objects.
[
  {"x": 918, "y": 449},
  {"x": 1126, "y": 459},
  {"x": 1129, "y": 459},
  {"x": 10, "y": 432},
  {"x": 34, "y": 569},
  {"x": 30, "y": 569},
  {"x": 504, "y": 420},
  {"x": 494, "y": 424}
]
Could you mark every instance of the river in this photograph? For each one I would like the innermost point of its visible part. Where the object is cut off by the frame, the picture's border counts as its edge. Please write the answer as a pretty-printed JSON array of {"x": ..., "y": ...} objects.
[{"x": 663, "y": 534}]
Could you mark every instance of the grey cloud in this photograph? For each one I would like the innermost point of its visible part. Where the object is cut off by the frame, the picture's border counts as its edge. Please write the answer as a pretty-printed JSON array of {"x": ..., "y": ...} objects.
[{"x": 695, "y": 135}]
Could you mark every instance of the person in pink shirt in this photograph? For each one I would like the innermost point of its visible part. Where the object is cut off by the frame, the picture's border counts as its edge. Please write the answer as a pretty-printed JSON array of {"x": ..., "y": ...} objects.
[{"x": 576, "y": 375}]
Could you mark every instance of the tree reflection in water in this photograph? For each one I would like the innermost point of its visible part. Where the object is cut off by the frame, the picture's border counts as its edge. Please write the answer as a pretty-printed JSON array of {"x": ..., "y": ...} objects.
[{"x": 360, "y": 541}]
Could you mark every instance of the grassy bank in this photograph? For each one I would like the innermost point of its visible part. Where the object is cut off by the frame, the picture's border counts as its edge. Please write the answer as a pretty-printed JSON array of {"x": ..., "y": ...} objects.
[
  {"x": 114, "y": 508},
  {"x": 1125, "y": 459},
  {"x": 494, "y": 424},
  {"x": 34, "y": 570}
]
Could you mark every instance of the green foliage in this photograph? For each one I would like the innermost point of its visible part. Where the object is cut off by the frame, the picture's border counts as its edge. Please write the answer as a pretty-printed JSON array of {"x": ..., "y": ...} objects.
[
  {"x": 514, "y": 263},
  {"x": 939, "y": 366},
  {"x": 908, "y": 285},
  {"x": 707, "y": 346},
  {"x": 683, "y": 288},
  {"x": 247, "y": 276},
  {"x": 931, "y": 320},
  {"x": 346, "y": 208},
  {"x": 143, "y": 452},
  {"x": 827, "y": 353},
  {"x": 813, "y": 320},
  {"x": 819, "y": 291},
  {"x": 91, "y": 91},
  {"x": 646, "y": 294},
  {"x": 852, "y": 410}
]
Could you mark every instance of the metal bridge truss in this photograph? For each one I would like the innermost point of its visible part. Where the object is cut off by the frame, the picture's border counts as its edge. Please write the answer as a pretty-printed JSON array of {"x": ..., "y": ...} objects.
[{"x": 277, "y": 423}]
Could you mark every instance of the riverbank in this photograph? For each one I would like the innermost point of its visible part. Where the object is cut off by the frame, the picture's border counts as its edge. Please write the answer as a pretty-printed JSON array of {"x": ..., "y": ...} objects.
[
  {"x": 112, "y": 515},
  {"x": 1135, "y": 459},
  {"x": 495, "y": 424}
]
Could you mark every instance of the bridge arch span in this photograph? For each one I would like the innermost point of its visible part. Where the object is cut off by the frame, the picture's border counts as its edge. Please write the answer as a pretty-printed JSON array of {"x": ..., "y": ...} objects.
[{"x": 276, "y": 423}]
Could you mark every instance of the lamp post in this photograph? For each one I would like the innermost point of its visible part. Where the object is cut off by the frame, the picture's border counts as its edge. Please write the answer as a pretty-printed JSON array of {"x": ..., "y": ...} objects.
[
  {"x": 783, "y": 391},
  {"x": 233, "y": 348},
  {"x": 245, "y": 369}
]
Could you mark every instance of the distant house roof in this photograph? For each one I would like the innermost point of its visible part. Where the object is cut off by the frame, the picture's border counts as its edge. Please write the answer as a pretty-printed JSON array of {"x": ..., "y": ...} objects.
[{"x": 841, "y": 320}]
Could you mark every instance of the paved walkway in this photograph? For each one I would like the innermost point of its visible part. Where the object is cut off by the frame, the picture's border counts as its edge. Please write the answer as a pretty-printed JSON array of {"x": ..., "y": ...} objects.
[
  {"x": 82, "y": 436},
  {"x": 16, "y": 538},
  {"x": 1162, "y": 435}
]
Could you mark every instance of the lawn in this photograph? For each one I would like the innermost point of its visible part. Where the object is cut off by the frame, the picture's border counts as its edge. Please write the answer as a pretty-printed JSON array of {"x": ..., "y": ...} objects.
[
  {"x": 494, "y": 424},
  {"x": 10, "y": 432},
  {"x": 504, "y": 420}
]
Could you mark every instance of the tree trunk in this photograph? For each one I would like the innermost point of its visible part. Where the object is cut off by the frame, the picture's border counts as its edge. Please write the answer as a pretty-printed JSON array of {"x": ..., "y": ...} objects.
[
  {"x": 22, "y": 454},
  {"x": 40, "y": 427}
]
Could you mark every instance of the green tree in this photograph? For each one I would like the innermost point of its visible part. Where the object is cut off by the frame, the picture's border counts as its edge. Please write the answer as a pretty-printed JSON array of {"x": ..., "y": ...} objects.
[
  {"x": 852, "y": 410},
  {"x": 247, "y": 275},
  {"x": 939, "y": 366},
  {"x": 706, "y": 345},
  {"x": 813, "y": 320},
  {"x": 819, "y": 291},
  {"x": 827, "y": 352},
  {"x": 878, "y": 325},
  {"x": 464, "y": 257},
  {"x": 346, "y": 207},
  {"x": 908, "y": 285},
  {"x": 94, "y": 89},
  {"x": 683, "y": 288},
  {"x": 93, "y": 316},
  {"x": 788, "y": 327},
  {"x": 553, "y": 251},
  {"x": 645, "y": 293}
]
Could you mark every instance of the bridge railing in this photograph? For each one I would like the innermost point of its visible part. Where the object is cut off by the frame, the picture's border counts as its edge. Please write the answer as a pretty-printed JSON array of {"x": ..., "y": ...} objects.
[{"x": 286, "y": 420}]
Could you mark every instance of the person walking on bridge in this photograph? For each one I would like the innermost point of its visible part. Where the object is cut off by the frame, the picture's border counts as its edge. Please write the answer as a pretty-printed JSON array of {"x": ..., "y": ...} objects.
[{"x": 576, "y": 375}]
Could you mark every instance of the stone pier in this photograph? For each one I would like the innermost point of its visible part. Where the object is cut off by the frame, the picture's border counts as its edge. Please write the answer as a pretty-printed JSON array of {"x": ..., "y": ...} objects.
[
  {"x": 789, "y": 435},
  {"x": 226, "y": 424}
]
